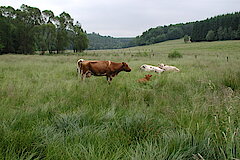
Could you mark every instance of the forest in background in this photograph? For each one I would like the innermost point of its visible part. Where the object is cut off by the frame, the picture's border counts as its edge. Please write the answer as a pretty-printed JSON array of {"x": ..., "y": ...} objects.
[
  {"x": 96, "y": 41},
  {"x": 28, "y": 29},
  {"x": 222, "y": 27}
]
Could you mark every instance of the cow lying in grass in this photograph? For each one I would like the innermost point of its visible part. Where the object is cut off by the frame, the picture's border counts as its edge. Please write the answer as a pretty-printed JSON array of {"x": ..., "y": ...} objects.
[
  {"x": 150, "y": 68},
  {"x": 168, "y": 68},
  {"x": 101, "y": 68},
  {"x": 145, "y": 79}
]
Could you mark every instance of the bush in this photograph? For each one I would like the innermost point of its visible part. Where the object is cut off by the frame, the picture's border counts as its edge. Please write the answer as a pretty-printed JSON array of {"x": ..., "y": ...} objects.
[
  {"x": 175, "y": 54},
  {"x": 186, "y": 38}
]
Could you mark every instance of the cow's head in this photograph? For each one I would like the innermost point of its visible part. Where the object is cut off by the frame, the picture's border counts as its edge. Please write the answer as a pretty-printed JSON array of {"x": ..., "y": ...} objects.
[
  {"x": 161, "y": 65},
  {"x": 142, "y": 67},
  {"x": 148, "y": 75},
  {"x": 126, "y": 67}
]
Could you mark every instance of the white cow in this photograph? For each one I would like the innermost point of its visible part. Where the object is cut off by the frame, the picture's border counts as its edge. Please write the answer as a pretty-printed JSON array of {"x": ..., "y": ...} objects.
[
  {"x": 168, "y": 68},
  {"x": 150, "y": 68}
]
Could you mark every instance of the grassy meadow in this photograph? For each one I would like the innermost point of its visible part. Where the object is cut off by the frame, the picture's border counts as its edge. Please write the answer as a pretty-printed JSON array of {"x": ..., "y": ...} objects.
[{"x": 47, "y": 112}]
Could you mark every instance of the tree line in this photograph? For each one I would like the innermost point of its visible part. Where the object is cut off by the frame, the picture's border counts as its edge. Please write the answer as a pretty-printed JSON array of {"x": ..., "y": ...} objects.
[
  {"x": 96, "y": 41},
  {"x": 222, "y": 27},
  {"x": 26, "y": 30},
  {"x": 163, "y": 33}
]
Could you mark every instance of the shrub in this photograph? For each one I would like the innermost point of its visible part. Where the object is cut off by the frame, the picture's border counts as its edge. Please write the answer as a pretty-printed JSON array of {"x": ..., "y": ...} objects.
[
  {"x": 175, "y": 54},
  {"x": 186, "y": 39}
]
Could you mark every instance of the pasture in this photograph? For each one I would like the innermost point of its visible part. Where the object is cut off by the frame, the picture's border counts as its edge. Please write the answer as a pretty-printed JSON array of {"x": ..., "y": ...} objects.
[{"x": 47, "y": 112}]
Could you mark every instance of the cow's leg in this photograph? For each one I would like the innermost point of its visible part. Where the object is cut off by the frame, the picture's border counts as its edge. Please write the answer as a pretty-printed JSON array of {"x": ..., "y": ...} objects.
[
  {"x": 109, "y": 79},
  {"x": 83, "y": 75},
  {"x": 79, "y": 71}
]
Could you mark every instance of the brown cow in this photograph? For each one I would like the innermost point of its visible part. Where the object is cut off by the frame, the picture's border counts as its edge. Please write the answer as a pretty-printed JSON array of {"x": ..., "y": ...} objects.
[
  {"x": 79, "y": 66},
  {"x": 102, "y": 68}
]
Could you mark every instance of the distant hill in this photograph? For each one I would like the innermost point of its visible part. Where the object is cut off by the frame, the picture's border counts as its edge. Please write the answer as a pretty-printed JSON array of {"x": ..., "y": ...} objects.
[
  {"x": 222, "y": 27},
  {"x": 96, "y": 41}
]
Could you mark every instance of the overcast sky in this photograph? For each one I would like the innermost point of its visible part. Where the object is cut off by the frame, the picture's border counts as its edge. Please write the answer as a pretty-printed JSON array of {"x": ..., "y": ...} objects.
[{"x": 129, "y": 18}]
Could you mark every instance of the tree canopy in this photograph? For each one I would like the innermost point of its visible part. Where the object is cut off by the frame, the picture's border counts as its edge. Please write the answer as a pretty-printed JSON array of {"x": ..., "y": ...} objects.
[
  {"x": 29, "y": 29},
  {"x": 222, "y": 27}
]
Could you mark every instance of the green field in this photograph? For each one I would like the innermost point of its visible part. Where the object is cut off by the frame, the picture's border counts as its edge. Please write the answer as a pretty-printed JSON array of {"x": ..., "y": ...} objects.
[{"x": 47, "y": 112}]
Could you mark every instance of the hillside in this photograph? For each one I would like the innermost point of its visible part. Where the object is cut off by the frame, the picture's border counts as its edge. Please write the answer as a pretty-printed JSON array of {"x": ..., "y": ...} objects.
[
  {"x": 222, "y": 27},
  {"x": 97, "y": 41}
]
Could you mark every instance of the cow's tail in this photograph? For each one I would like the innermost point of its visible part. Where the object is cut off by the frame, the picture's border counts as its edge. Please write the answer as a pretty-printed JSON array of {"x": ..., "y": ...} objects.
[{"x": 79, "y": 66}]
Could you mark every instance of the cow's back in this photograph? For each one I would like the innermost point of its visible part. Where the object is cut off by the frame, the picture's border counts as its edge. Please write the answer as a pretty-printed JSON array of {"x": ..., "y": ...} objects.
[{"x": 98, "y": 68}]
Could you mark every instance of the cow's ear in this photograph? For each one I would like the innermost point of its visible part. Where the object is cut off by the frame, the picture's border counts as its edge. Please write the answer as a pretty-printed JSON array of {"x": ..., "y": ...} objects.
[{"x": 123, "y": 63}]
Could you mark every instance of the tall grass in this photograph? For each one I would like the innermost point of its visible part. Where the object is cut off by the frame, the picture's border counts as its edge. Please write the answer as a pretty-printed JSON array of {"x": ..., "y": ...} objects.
[{"x": 47, "y": 112}]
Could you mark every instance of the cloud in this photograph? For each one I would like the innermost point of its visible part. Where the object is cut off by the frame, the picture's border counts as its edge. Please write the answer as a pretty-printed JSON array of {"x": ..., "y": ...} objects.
[{"x": 126, "y": 18}]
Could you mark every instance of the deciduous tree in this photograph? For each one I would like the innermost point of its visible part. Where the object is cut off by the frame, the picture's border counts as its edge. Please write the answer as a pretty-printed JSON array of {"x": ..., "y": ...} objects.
[{"x": 210, "y": 36}]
